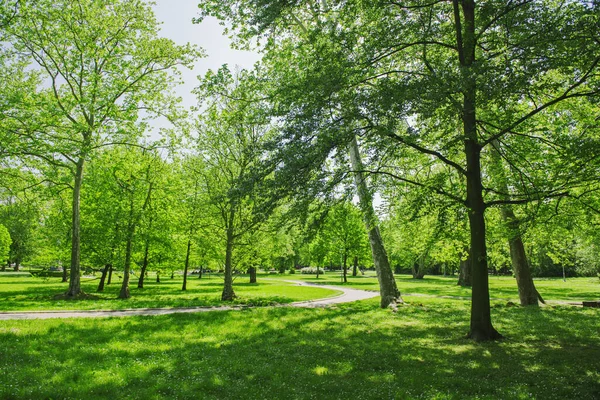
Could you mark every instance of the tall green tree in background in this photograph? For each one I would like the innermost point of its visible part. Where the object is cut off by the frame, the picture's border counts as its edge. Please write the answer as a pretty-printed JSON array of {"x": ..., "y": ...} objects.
[
  {"x": 104, "y": 62},
  {"x": 231, "y": 131},
  {"x": 5, "y": 242}
]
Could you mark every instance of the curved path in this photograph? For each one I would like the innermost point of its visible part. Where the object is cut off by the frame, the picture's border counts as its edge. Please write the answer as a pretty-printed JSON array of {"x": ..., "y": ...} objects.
[{"x": 348, "y": 295}]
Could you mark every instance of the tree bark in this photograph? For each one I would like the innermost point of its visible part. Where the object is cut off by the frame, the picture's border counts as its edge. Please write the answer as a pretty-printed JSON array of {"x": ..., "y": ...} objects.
[
  {"x": 74, "y": 276},
  {"x": 110, "y": 272},
  {"x": 528, "y": 294},
  {"x": 388, "y": 290},
  {"x": 345, "y": 267},
  {"x": 228, "y": 293},
  {"x": 464, "y": 274},
  {"x": 418, "y": 269},
  {"x": 355, "y": 266},
  {"x": 125, "y": 294},
  {"x": 157, "y": 276},
  {"x": 17, "y": 265},
  {"x": 103, "y": 278},
  {"x": 481, "y": 328},
  {"x": 187, "y": 264},
  {"x": 252, "y": 271},
  {"x": 144, "y": 266}
]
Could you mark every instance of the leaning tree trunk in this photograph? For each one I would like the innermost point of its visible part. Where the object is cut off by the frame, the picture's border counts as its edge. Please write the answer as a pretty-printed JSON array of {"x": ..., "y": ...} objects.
[
  {"x": 355, "y": 266},
  {"x": 228, "y": 293},
  {"x": 144, "y": 265},
  {"x": 528, "y": 294},
  {"x": 74, "y": 276},
  {"x": 187, "y": 264},
  {"x": 388, "y": 290},
  {"x": 252, "y": 272},
  {"x": 103, "y": 278}
]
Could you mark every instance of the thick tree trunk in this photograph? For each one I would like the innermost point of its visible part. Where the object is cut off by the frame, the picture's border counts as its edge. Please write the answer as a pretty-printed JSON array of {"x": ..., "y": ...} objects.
[
  {"x": 74, "y": 276},
  {"x": 228, "y": 293},
  {"x": 345, "y": 268},
  {"x": 481, "y": 322},
  {"x": 17, "y": 265},
  {"x": 388, "y": 290},
  {"x": 144, "y": 266},
  {"x": 187, "y": 264},
  {"x": 355, "y": 266},
  {"x": 252, "y": 272},
  {"x": 103, "y": 278},
  {"x": 464, "y": 274}
]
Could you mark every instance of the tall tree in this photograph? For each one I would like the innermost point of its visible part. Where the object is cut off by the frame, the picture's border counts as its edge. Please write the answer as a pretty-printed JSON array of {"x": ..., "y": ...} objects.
[{"x": 104, "y": 62}]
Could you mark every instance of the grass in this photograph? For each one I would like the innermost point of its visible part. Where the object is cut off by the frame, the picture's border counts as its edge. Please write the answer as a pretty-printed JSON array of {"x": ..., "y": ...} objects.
[
  {"x": 501, "y": 287},
  {"x": 20, "y": 292},
  {"x": 351, "y": 351}
]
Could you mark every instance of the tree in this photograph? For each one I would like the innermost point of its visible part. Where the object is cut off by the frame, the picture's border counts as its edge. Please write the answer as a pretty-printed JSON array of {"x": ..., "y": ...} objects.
[
  {"x": 230, "y": 133},
  {"x": 104, "y": 63},
  {"x": 5, "y": 242},
  {"x": 429, "y": 77}
]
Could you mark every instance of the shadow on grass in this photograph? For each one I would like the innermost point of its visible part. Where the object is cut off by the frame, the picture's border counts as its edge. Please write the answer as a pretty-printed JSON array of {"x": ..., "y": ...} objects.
[{"x": 354, "y": 351}]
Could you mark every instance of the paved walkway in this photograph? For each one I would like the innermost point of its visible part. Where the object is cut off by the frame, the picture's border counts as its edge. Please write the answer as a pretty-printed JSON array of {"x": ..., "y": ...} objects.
[{"x": 348, "y": 295}]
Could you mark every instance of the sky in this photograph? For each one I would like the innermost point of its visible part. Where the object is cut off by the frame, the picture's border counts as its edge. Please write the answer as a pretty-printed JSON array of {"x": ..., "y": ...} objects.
[{"x": 176, "y": 16}]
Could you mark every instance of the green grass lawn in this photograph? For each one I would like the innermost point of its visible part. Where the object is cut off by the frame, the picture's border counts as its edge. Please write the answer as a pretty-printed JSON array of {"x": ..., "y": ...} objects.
[
  {"x": 30, "y": 293},
  {"x": 501, "y": 287},
  {"x": 353, "y": 351}
]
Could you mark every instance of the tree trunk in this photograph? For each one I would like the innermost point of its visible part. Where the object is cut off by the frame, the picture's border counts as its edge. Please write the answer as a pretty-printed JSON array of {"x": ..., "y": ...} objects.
[
  {"x": 157, "y": 276},
  {"x": 355, "y": 266},
  {"x": 387, "y": 285},
  {"x": 17, "y": 265},
  {"x": 187, "y": 264},
  {"x": 418, "y": 269},
  {"x": 228, "y": 293},
  {"x": 74, "y": 276},
  {"x": 318, "y": 272},
  {"x": 4, "y": 265},
  {"x": 125, "y": 294},
  {"x": 103, "y": 278},
  {"x": 110, "y": 272},
  {"x": 528, "y": 294},
  {"x": 481, "y": 322},
  {"x": 464, "y": 273},
  {"x": 252, "y": 272},
  {"x": 144, "y": 266},
  {"x": 345, "y": 268}
]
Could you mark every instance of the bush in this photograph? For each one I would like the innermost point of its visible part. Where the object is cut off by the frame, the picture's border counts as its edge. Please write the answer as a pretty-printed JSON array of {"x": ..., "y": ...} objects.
[
  {"x": 311, "y": 270},
  {"x": 292, "y": 271}
]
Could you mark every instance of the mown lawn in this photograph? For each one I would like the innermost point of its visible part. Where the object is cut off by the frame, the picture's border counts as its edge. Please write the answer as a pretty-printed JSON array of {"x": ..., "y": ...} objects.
[
  {"x": 30, "y": 293},
  {"x": 501, "y": 287},
  {"x": 354, "y": 351}
]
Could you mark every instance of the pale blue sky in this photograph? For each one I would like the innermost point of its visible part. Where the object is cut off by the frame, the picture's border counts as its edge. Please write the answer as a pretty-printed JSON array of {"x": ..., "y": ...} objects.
[{"x": 176, "y": 16}]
